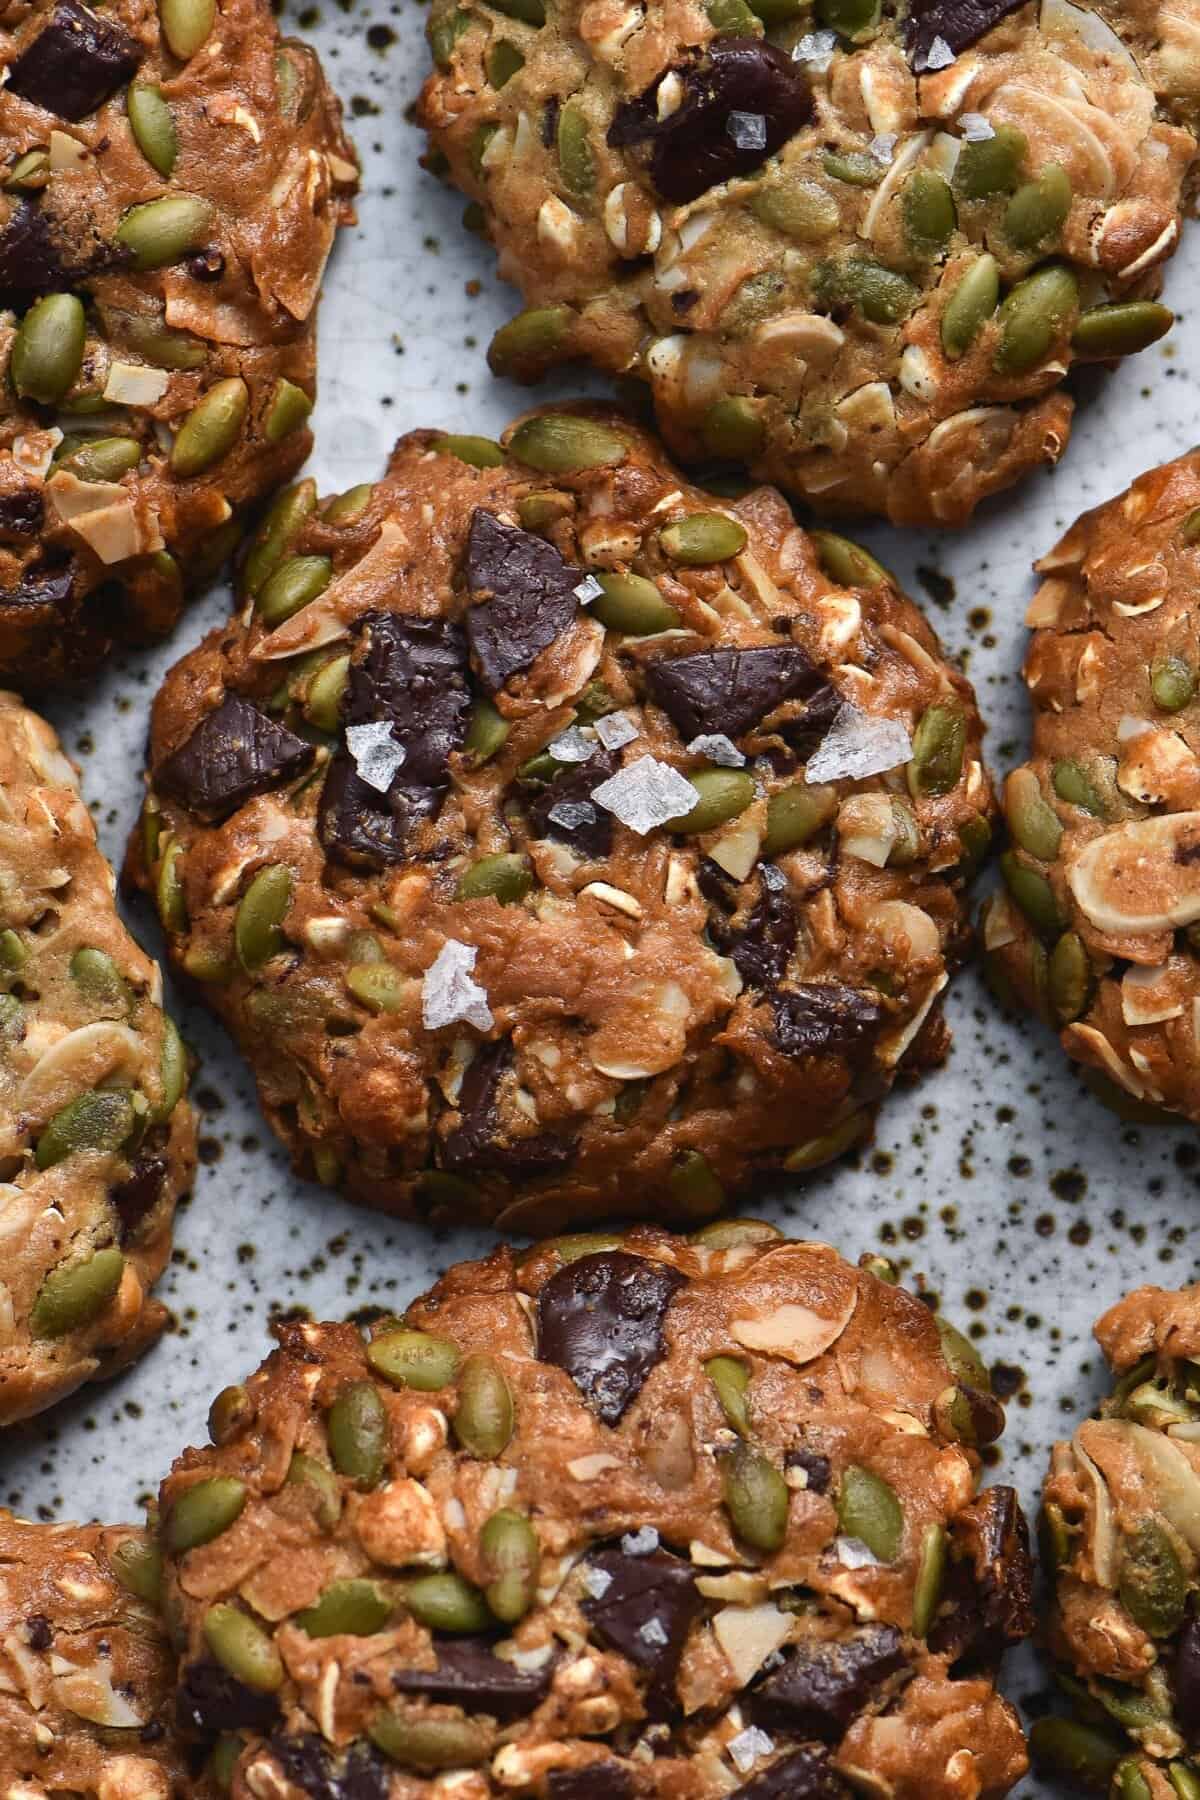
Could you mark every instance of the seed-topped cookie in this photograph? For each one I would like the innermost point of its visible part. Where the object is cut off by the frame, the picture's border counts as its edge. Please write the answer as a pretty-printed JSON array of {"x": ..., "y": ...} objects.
[
  {"x": 632, "y": 1517},
  {"x": 857, "y": 248},
  {"x": 558, "y": 838},
  {"x": 170, "y": 186},
  {"x": 96, "y": 1139}
]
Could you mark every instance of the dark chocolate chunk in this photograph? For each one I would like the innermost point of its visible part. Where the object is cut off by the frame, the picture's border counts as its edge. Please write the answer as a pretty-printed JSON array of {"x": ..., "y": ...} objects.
[
  {"x": 470, "y": 1674},
  {"x": 413, "y": 672},
  {"x": 43, "y": 584},
  {"x": 718, "y": 888},
  {"x": 21, "y": 512},
  {"x": 527, "y": 593},
  {"x": 818, "y": 1468},
  {"x": 38, "y": 1632},
  {"x": 136, "y": 1197},
  {"x": 605, "y": 1780},
  {"x": 1186, "y": 1682},
  {"x": 236, "y": 751},
  {"x": 761, "y": 949},
  {"x": 477, "y": 1141},
  {"x": 601, "y": 1319},
  {"x": 73, "y": 66},
  {"x": 805, "y": 1775},
  {"x": 591, "y": 838},
  {"x": 823, "y": 1018},
  {"x": 824, "y": 1685},
  {"x": 959, "y": 24},
  {"x": 693, "y": 148},
  {"x": 806, "y": 734},
  {"x": 321, "y": 1773},
  {"x": 360, "y": 826},
  {"x": 987, "y": 1602},
  {"x": 209, "y": 1700},
  {"x": 729, "y": 690},
  {"x": 30, "y": 263},
  {"x": 645, "y": 1613}
]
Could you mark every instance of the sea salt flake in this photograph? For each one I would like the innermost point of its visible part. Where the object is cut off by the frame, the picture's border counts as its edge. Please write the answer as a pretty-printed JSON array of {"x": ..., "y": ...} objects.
[
  {"x": 975, "y": 128},
  {"x": 852, "y": 1553},
  {"x": 596, "y": 1581},
  {"x": 616, "y": 729},
  {"x": 746, "y": 1748},
  {"x": 589, "y": 589},
  {"x": 772, "y": 877},
  {"x": 572, "y": 746},
  {"x": 718, "y": 748},
  {"x": 378, "y": 758},
  {"x": 448, "y": 993},
  {"x": 646, "y": 794},
  {"x": 748, "y": 130},
  {"x": 570, "y": 814},
  {"x": 859, "y": 744},
  {"x": 816, "y": 48},
  {"x": 640, "y": 1543},
  {"x": 883, "y": 147},
  {"x": 939, "y": 55},
  {"x": 652, "y": 1632}
]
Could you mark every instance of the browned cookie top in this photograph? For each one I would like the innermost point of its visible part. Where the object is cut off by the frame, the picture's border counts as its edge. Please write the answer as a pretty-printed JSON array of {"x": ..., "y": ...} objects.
[
  {"x": 626, "y": 1517},
  {"x": 174, "y": 181},
  {"x": 559, "y": 839}
]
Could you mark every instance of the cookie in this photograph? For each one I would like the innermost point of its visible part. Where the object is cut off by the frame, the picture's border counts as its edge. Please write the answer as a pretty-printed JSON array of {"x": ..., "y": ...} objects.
[
  {"x": 1121, "y": 1540},
  {"x": 626, "y": 1517},
  {"x": 86, "y": 1674},
  {"x": 1099, "y": 930},
  {"x": 859, "y": 250},
  {"x": 558, "y": 839},
  {"x": 96, "y": 1139},
  {"x": 173, "y": 183}
]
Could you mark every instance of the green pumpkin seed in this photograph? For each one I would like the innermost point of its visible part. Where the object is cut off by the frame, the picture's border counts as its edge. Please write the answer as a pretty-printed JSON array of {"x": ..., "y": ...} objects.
[
  {"x": 967, "y": 1417},
  {"x": 1032, "y": 821},
  {"x": 99, "y": 1121},
  {"x": 757, "y": 1497},
  {"x": 632, "y": 604},
  {"x": 511, "y": 1557},
  {"x": 71, "y": 1299},
  {"x": 867, "y": 1509},
  {"x": 138, "y": 1565},
  {"x": 732, "y": 1234},
  {"x": 504, "y": 61},
  {"x": 575, "y": 157},
  {"x": 47, "y": 352},
  {"x": 1033, "y": 894},
  {"x": 351, "y": 1608},
  {"x": 203, "y": 963},
  {"x": 162, "y": 348},
  {"x": 1184, "y": 1780},
  {"x": 1068, "y": 978},
  {"x": 243, "y": 1648},
  {"x": 1075, "y": 786},
  {"x": 30, "y": 171},
  {"x": 305, "y": 1471},
  {"x": 1153, "y": 1583},
  {"x": 722, "y": 794},
  {"x": 294, "y": 585},
  {"x": 850, "y": 18},
  {"x": 1121, "y": 329},
  {"x": 961, "y": 1357},
  {"x": 485, "y": 1417},
  {"x": 795, "y": 814},
  {"x": 379, "y": 986},
  {"x": 478, "y": 452},
  {"x": 929, "y": 214},
  {"x": 203, "y": 1512},
  {"x": 323, "y": 698},
  {"x": 13, "y": 954},
  {"x": 172, "y": 907},
  {"x": 732, "y": 428},
  {"x": 506, "y": 878},
  {"x": 823, "y": 1149},
  {"x": 970, "y": 306},
  {"x": 731, "y": 18},
  {"x": 424, "y": 1740},
  {"x": 446, "y": 1602},
  {"x": 212, "y": 428},
  {"x": 229, "y": 1415},
  {"x": 529, "y": 343},
  {"x": 345, "y": 508},
  {"x": 102, "y": 459},
  {"x": 848, "y": 563},
  {"x": 415, "y": 1359},
  {"x": 357, "y": 1427},
  {"x": 1129, "y": 1783},
  {"x": 444, "y": 33},
  {"x": 257, "y": 933},
  {"x": 703, "y": 538},
  {"x": 1075, "y": 1751},
  {"x": 152, "y": 126},
  {"x": 931, "y": 1577},
  {"x": 778, "y": 12},
  {"x": 882, "y": 295},
  {"x": 800, "y": 209},
  {"x": 220, "y": 1767},
  {"x": 563, "y": 443},
  {"x": 1032, "y": 318},
  {"x": 939, "y": 744},
  {"x": 477, "y": 147},
  {"x": 1172, "y": 682},
  {"x": 12, "y": 1020},
  {"x": 282, "y": 524},
  {"x": 1054, "y": 1536},
  {"x": 99, "y": 980},
  {"x": 988, "y": 166},
  {"x": 857, "y": 168},
  {"x": 161, "y": 232},
  {"x": 186, "y": 24},
  {"x": 692, "y": 1187},
  {"x": 731, "y": 1379},
  {"x": 287, "y": 410},
  {"x": 1038, "y": 210},
  {"x": 487, "y": 732},
  {"x": 575, "y": 1245},
  {"x": 530, "y": 12}
]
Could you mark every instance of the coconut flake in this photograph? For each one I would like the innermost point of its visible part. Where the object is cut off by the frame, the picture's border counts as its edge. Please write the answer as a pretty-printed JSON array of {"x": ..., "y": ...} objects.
[
  {"x": 748, "y": 130},
  {"x": 378, "y": 758},
  {"x": 596, "y": 1581},
  {"x": 640, "y": 1543},
  {"x": 746, "y": 1748},
  {"x": 572, "y": 746},
  {"x": 133, "y": 384},
  {"x": 859, "y": 744},
  {"x": 616, "y": 729},
  {"x": 852, "y": 1553},
  {"x": 646, "y": 794},
  {"x": 652, "y": 1632},
  {"x": 939, "y": 55},
  {"x": 589, "y": 589},
  {"x": 816, "y": 49},
  {"x": 718, "y": 748},
  {"x": 448, "y": 993},
  {"x": 975, "y": 128},
  {"x": 571, "y": 814}
]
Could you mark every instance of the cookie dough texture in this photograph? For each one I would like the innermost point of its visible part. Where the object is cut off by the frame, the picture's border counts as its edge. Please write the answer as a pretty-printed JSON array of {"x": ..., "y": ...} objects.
[
  {"x": 96, "y": 1138},
  {"x": 859, "y": 252},
  {"x": 1097, "y": 929},
  {"x": 1120, "y": 1533},
  {"x": 627, "y": 854},
  {"x": 172, "y": 184},
  {"x": 86, "y": 1673},
  {"x": 621, "y": 1517}
]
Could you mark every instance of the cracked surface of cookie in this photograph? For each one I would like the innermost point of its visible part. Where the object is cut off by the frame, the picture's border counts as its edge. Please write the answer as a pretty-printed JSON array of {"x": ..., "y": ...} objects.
[
  {"x": 1121, "y": 1535},
  {"x": 1098, "y": 929},
  {"x": 551, "y": 833},
  {"x": 97, "y": 1141},
  {"x": 859, "y": 252},
  {"x": 86, "y": 1673},
  {"x": 636, "y": 1517},
  {"x": 172, "y": 188}
]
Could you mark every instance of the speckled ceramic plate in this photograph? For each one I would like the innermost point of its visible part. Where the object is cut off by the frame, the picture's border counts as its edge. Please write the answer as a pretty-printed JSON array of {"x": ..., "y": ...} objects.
[{"x": 999, "y": 1185}]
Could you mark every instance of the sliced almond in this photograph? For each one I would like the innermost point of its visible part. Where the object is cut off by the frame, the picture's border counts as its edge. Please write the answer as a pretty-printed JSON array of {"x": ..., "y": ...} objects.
[
  {"x": 1142, "y": 877},
  {"x": 748, "y": 1635}
]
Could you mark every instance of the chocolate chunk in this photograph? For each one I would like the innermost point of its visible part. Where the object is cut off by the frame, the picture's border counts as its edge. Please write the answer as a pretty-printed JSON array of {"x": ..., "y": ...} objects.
[
  {"x": 46, "y": 585},
  {"x": 1186, "y": 1682},
  {"x": 235, "y": 751},
  {"x": 806, "y": 734},
  {"x": 818, "y": 1468},
  {"x": 359, "y": 1773},
  {"x": 805, "y": 1775},
  {"x": 729, "y": 690},
  {"x": 605, "y": 1780},
  {"x": 645, "y": 1612},
  {"x": 959, "y": 24},
  {"x": 30, "y": 263},
  {"x": 476, "y": 1142},
  {"x": 209, "y": 1700},
  {"x": 470, "y": 1674},
  {"x": 73, "y": 66},
  {"x": 590, "y": 838},
  {"x": 21, "y": 512},
  {"x": 823, "y": 1018},
  {"x": 528, "y": 595},
  {"x": 601, "y": 1319},
  {"x": 137, "y": 1196},
  {"x": 361, "y": 827},
  {"x": 761, "y": 949},
  {"x": 693, "y": 149},
  {"x": 824, "y": 1685},
  {"x": 718, "y": 888},
  {"x": 987, "y": 1603},
  {"x": 38, "y": 1632}
]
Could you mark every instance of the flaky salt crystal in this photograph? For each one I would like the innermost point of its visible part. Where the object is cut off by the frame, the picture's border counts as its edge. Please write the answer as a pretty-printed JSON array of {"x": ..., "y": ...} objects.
[
  {"x": 652, "y": 1632},
  {"x": 852, "y": 1553},
  {"x": 646, "y": 795},
  {"x": 616, "y": 729},
  {"x": 572, "y": 746},
  {"x": 746, "y": 1748},
  {"x": 640, "y": 1543},
  {"x": 883, "y": 147},
  {"x": 859, "y": 744},
  {"x": 572, "y": 813},
  {"x": 816, "y": 49},
  {"x": 773, "y": 877},
  {"x": 448, "y": 994},
  {"x": 718, "y": 748},
  {"x": 589, "y": 589},
  {"x": 748, "y": 130},
  {"x": 378, "y": 758},
  {"x": 596, "y": 1581},
  {"x": 975, "y": 128},
  {"x": 939, "y": 55}
]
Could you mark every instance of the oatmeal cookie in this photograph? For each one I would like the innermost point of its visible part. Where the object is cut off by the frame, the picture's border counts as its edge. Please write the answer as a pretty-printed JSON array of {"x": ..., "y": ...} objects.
[
  {"x": 173, "y": 181},
  {"x": 1099, "y": 930},
  {"x": 858, "y": 250},
  {"x": 635, "y": 1517},
  {"x": 558, "y": 839},
  {"x": 96, "y": 1139}
]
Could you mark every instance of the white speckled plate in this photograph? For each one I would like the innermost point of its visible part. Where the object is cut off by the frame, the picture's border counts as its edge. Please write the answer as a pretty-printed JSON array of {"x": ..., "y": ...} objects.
[{"x": 998, "y": 1184}]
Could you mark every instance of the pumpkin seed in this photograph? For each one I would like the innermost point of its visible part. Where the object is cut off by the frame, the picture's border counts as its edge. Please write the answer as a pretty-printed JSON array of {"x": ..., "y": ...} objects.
[
  {"x": 1033, "y": 894},
  {"x": 414, "y": 1359},
  {"x": 929, "y": 214},
  {"x": 186, "y": 24},
  {"x": 424, "y": 1740},
  {"x": 229, "y": 1415},
  {"x": 446, "y": 1602},
  {"x": 305, "y": 1471},
  {"x": 1038, "y": 210},
  {"x": 161, "y": 232},
  {"x": 485, "y": 1417},
  {"x": 323, "y": 699},
  {"x": 1184, "y": 1780},
  {"x": 693, "y": 1188},
  {"x": 509, "y": 1549},
  {"x": 293, "y": 586},
  {"x": 1054, "y": 1536},
  {"x": 47, "y": 352},
  {"x": 30, "y": 171},
  {"x": 12, "y": 1019},
  {"x": 1122, "y": 328},
  {"x": 257, "y": 933},
  {"x": 849, "y": 18},
  {"x": 722, "y": 794},
  {"x": 478, "y": 452},
  {"x": 243, "y": 1648},
  {"x": 577, "y": 1244},
  {"x": 732, "y": 428},
  {"x": 846, "y": 562},
  {"x": 931, "y": 1576},
  {"x": 100, "y": 1121},
  {"x": 988, "y": 166},
  {"x": 858, "y": 168},
  {"x": 287, "y": 409},
  {"x": 778, "y": 12},
  {"x": 882, "y": 295},
  {"x": 99, "y": 980},
  {"x": 13, "y": 954},
  {"x": 487, "y": 732},
  {"x": 102, "y": 459},
  {"x": 203, "y": 1512},
  {"x": 1032, "y": 317},
  {"x": 731, "y": 1379},
  {"x": 971, "y": 304},
  {"x": 352, "y": 1608},
  {"x": 220, "y": 1767},
  {"x": 530, "y": 12},
  {"x": 795, "y": 814},
  {"x": 162, "y": 348},
  {"x": 1153, "y": 1583},
  {"x": 357, "y": 1427},
  {"x": 477, "y": 146},
  {"x": 800, "y": 209},
  {"x": 212, "y": 428},
  {"x": 72, "y": 1298},
  {"x": 1129, "y": 1783},
  {"x": 345, "y": 508},
  {"x": 529, "y": 343},
  {"x": 939, "y": 744},
  {"x": 757, "y": 1497},
  {"x": 575, "y": 157},
  {"x": 703, "y": 538},
  {"x": 138, "y": 1565},
  {"x": 1068, "y": 978},
  {"x": 867, "y": 1509},
  {"x": 967, "y": 1417},
  {"x": 819, "y": 1150},
  {"x": 283, "y": 523},
  {"x": 731, "y": 18},
  {"x": 444, "y": 33},
  {"x": 504, "y": 61},
  {"x": 506, "y": 878},
  {"x": 153, "y": 126},
  {"x": 1073, "y": 784},
  {"x": 1075, "y": 1751},
  {"x": 1031, "y": 820},
  {"x": 168, "y": 892},
  {"x": 632, "y": 604},
  {"x": 1172, "y": 682},
  {"x": 732, "y": 1234},
  {"x": 961, "y": 1357},
  {"x": 563, "y": 443},
  {"x": 378, "y": 986}
]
